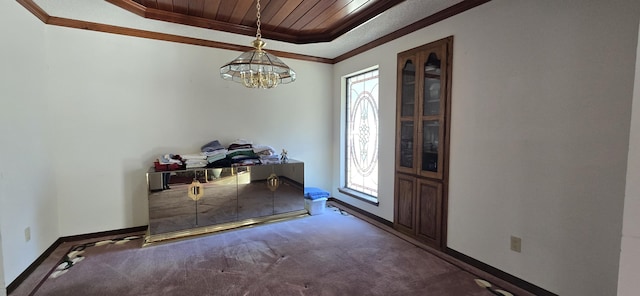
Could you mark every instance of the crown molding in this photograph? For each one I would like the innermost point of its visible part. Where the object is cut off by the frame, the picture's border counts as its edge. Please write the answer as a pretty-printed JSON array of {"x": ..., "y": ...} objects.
[{"x": 36, "y": 10}]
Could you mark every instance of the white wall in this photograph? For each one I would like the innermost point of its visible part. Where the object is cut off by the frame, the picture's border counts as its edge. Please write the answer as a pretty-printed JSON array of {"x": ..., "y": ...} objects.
[
  {"x": 87, "y": 113},
  {"x": 119, "y": 102},
  {"x": 27, "y": 180},
  {"x": 629, "y": 274},
  {"x": 540, "y": 127}
]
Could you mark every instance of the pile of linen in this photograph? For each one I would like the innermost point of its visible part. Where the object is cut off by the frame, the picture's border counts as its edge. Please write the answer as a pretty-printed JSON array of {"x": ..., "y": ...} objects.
[
  {"x": 193, "y": 161},
  {"x": 215, "y": 155},
  {"x": 267, "y": 154},
  {"x": 241, "y": 152},
  {"x": 214, "y": 151}
]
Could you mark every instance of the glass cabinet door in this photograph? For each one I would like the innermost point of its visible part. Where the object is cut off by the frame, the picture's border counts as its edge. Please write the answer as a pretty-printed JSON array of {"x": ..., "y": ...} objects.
[
  {"x": 431, "y": 92},
  {"x": 406, "y": 159},
  {"x": 421, "y": 112}
]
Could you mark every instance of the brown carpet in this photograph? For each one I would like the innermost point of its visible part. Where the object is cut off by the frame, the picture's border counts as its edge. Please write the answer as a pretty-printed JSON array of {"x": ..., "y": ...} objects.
[{"x": 329, "y": 254}]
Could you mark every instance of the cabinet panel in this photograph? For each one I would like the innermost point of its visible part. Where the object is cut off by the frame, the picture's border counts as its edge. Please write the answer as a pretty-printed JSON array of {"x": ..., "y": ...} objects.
[
  {"x": 290, "y": 187},
  {"x": 404, "y": 203},
  {"x": 254, "y": 197},
  {"x": 172, "y": 209},
  {"x": 429, "y": 207}
]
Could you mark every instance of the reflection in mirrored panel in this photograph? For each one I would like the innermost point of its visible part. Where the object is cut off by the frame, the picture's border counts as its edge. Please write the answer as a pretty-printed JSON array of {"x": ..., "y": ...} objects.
[{"x": 171, "y": 208}]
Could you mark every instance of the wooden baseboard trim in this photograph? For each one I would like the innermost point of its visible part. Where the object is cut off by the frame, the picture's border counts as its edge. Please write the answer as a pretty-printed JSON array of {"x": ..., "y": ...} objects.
[
  {"x": 361, "y": 212},
  {"x": 15, "y": 283},
  {"x": 499, "y": 273},
  {"x": 74, "y": 238},
  {"x": 27, "y": 272}
]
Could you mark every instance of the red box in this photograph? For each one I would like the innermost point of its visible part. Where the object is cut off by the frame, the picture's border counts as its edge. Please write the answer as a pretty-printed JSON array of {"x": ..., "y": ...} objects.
[{"x": 165, "y": 167}]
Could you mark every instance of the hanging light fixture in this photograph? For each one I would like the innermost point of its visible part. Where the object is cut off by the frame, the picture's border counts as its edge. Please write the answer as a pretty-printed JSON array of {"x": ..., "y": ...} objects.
[{"x": 257, "y": 68}]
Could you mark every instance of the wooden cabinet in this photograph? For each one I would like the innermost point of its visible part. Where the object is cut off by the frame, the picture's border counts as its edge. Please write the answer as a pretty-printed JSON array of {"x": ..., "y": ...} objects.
[{"x": 422, "y": 135}]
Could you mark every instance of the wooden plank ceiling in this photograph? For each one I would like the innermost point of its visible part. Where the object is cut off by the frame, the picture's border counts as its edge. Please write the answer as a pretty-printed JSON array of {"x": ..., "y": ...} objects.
[{"x": 295, "y": 21}]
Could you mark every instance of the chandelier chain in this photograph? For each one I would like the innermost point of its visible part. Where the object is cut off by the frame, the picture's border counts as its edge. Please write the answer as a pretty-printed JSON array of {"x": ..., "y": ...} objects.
[{"x": 258, "y": 34}]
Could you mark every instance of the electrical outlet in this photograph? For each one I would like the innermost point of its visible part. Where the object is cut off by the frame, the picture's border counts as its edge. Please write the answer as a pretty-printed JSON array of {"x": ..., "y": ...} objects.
[
  {"x": 27, "y": 234},
  {"x": 516, "y": 244}
]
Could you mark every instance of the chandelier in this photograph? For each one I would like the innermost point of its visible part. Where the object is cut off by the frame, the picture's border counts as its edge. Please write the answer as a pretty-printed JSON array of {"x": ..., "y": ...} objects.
[{"x": 257, "y": 68}]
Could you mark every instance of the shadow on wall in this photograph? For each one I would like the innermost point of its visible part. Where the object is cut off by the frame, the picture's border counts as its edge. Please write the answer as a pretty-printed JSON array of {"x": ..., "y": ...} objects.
[{"x": 135, "y": 192}]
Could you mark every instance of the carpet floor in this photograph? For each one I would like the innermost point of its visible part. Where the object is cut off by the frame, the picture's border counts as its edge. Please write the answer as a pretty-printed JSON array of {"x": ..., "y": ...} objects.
[{"x": 330, "y": 254}]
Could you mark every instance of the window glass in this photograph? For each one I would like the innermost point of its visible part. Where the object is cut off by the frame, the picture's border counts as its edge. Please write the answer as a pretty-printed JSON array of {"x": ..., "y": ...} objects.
[{"x": 362, "y": 133}]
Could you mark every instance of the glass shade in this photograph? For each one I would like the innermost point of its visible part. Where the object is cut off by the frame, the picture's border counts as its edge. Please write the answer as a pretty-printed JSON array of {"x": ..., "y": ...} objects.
[{"x": 258, "y": 69}]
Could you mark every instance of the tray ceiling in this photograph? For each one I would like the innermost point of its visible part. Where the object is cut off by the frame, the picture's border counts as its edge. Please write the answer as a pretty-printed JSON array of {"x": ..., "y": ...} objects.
[
  {"x": 316, "y": 30},
  {"x": 294, "y": 21}
]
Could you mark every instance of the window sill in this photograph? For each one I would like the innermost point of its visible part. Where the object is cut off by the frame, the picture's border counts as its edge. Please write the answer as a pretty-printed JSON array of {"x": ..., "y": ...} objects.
[{"x": 359, "y": 195}]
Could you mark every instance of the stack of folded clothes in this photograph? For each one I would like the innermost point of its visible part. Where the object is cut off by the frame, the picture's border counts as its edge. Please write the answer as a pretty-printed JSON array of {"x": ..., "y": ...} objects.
[
  {"x": 241, "y": 151},
  {"x": 267, "y": 154},
  {"x": 214, "y": 151},
  {"x": 315, "y": 193},
  {"x": 194, "y": 160}
]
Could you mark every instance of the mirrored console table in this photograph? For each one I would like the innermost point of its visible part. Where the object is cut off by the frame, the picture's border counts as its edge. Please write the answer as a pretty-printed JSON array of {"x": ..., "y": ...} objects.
[{"x": 190, "y": 202}]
